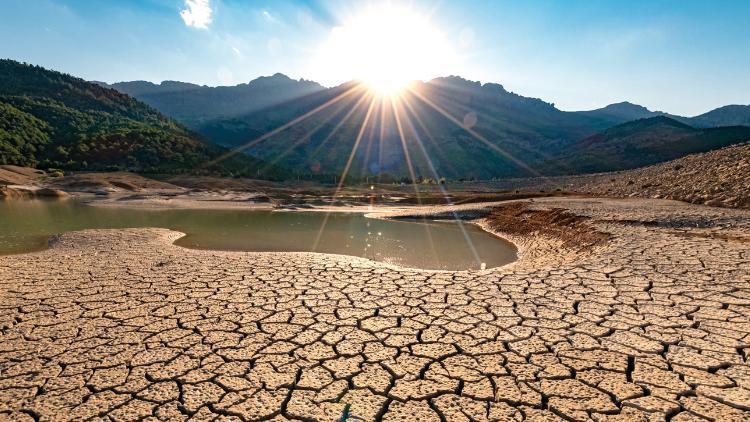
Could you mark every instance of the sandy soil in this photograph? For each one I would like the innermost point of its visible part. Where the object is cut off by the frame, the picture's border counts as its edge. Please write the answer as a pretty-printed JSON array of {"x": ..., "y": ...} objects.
[
  {"x": 15, "y": 175},
  {"x": 113, "y": 182}
]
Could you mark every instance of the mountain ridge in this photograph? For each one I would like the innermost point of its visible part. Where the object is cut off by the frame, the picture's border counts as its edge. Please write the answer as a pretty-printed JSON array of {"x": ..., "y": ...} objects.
[
  {"x": 193, "y": 104},
  {"x": 513, "y": 129},
  {"x": 447, "y": 127},
  {"x": 728, "y": 115},
  {"x": 622, "y": 111},
  {"x": 52, "y": 119}
]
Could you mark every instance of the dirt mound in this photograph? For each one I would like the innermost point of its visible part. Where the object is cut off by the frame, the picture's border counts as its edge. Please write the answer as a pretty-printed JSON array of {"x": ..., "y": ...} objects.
[
  {"x": 28, "y": 192},
  {"x": 220, "y": 183},
  {"x": 116, "y": 180},
  {"x": 15, "y": 175},
  {"x": 717, "y": 178},
  {"x": 573, "y": 230}
]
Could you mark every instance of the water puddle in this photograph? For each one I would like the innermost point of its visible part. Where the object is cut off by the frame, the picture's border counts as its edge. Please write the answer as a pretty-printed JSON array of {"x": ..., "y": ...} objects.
[{"x": 437, "y": 245}]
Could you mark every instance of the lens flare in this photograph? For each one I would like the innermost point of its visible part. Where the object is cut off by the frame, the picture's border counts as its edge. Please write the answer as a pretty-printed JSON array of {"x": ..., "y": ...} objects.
[{"x": 386, "y": 47}]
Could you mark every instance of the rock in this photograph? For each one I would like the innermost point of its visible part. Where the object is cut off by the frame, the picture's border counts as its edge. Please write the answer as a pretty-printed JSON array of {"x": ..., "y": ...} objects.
[
  {"x": 16, "y": 192},
  {"x": 51, "y": 193},
  {"x": 28, "y": 192}
]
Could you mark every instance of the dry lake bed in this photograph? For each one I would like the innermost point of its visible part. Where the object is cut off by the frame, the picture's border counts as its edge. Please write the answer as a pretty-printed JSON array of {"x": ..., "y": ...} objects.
[{"x": 615, "y": 310}]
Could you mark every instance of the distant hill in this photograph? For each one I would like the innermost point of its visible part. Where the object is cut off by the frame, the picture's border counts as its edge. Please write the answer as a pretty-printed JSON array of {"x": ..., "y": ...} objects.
[
  {"x": 731, "y": 115},
  {"x": 50, "y": 119},
  {"x": 643, "y": 142},
  {"x": 193, "y": 105},
  {"x": 508, "y": 135},
  {"x": 514, "y": 132},
  {"x": 141, "y": 88},
  {"x": 622, "y": 112},
  {"x": 452, "y": 128}
]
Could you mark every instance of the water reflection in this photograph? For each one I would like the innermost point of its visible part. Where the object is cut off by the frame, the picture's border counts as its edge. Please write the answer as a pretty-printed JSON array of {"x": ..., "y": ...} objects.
[{"x": 27, "y": 225}]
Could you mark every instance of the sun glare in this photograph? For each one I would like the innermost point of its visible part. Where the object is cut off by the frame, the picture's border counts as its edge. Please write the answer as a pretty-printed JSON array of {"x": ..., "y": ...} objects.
[{"x": 386, "y": 47}]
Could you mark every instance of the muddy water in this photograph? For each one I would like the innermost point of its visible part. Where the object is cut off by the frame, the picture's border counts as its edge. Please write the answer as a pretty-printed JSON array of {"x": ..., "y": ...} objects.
[{"x": 27, "y": 225}]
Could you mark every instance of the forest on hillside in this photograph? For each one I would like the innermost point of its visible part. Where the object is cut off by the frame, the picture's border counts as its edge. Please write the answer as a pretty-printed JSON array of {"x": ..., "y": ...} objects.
[{"x": 52, "y": 120}]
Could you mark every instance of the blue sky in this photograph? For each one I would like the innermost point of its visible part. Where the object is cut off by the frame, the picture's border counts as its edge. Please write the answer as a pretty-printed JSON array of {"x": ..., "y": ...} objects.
[{"x": 680, "y": 56}]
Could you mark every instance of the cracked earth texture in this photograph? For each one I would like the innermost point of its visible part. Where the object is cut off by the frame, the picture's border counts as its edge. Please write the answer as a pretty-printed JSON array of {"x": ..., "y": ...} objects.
[{"x": 123, "y": 325}]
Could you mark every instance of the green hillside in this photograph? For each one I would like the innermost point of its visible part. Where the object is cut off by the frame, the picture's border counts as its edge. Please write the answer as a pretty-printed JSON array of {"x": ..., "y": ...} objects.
[
  {"x": 22, "y": 136},
  {"x": 643, "y": 142},
  {"x": 451, "y": 128},
  {"x": 50, "y": 119}
]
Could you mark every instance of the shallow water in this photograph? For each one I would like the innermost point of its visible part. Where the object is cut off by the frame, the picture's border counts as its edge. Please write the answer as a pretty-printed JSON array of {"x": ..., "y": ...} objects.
[{"x": 27, "y": 225}]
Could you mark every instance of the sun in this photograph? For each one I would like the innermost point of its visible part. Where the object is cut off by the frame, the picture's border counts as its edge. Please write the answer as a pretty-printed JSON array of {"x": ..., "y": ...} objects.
[{"x": 385, "y": 46}]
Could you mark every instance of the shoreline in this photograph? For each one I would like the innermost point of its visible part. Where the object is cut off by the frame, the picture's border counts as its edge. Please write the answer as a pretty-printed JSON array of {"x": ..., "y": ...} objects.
[
  {"x": 526, "y": 246},
  {"x": 387, "y": 212}
]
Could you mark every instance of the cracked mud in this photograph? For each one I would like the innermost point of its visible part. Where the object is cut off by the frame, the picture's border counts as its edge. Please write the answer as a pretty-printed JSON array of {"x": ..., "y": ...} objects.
[{"x": 653, "y": 324}]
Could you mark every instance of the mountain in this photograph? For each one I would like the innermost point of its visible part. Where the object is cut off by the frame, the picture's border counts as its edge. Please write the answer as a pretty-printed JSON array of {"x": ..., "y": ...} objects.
[
  {"x": 731, "y": 115},
  {"x": 50, "y": 119},
  {"x": 507, "y": 133},
  {"x": 141, "y": 88},
  {"x": 193, "y": 105},
  {"x": 451, "y": 127},
  {"x": 622, "y": 112},
  {"x": 643, "y": 142},
  {"x": 457, "y": 128}
]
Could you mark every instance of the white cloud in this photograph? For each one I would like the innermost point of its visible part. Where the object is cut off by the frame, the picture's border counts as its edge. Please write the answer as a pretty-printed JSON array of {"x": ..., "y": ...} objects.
[
  {"x": 197, "y": 13},
  {"x": 268, "y": 16}
]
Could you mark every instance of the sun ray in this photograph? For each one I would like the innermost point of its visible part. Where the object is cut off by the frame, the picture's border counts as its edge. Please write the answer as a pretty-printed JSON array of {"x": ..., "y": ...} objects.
[
  {"x": 428, "y": 233},
  {"x": 309, "y": 134},
  {"x": 427, "y": 132},
  {"x": 444, "y": 192},
  {"x": 381, "y": 139},
  {"x": 407, "y": 156},
  {"x": 283, "y": 127},
  {"x": 357, "y": 141},
  {"x": 475, "y": 134},
  {"x": 345, "y": 171},
  {"x": 487, "y": 117},
  {"x": 370, "y": 137},
  {"x": 339, "y": 124}
]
